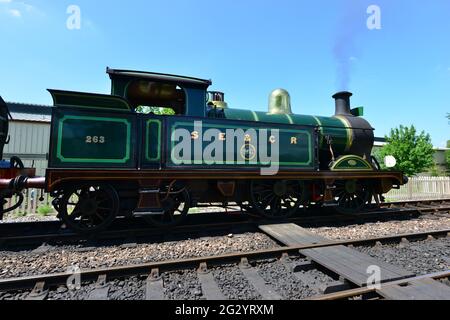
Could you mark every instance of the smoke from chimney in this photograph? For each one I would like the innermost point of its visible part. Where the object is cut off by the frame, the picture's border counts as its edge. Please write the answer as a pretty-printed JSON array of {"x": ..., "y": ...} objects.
[{"x": 350, "y": 24}]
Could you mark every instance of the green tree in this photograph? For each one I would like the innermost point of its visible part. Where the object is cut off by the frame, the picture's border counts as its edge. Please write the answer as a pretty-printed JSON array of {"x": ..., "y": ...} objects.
[
  {"x": 414, "y": 152},
  {"x": 376, "y": 152},
  {"x": 155, "y": 110},
  {"x": 447, "y": 156}
]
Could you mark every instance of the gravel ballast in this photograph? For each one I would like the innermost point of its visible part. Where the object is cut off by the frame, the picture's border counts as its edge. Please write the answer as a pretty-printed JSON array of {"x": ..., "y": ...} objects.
[
  {"x": 182, "y": 285},
  {"x": 420, "y": 257},
  {"x": 58, "y": 259},
  {"x": 383, "y": 229},
  {"x": 233, "y": 283},
  {"x": 290, "y": 286},
  {"x": 28, "y": 218}
]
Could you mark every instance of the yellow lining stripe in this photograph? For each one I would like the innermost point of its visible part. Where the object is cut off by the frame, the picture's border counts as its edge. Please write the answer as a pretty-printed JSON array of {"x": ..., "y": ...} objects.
[
  {"x": 289, "y": 118},
  {"x": 351, "y": 157},
  {"x": 319, "y": 123},
  {"x": 349, "y": 132},
  {"x": 255, "y": 116}
]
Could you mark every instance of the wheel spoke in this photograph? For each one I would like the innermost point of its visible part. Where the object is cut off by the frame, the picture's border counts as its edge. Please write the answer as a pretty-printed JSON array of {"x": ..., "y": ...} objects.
[
  {"x": 75, "y": 214},
  {"x": 104, "y": 208},
  {"x": 175, "y": 212},
  {"x": 99, "y": 216},
  {"x": 267, "y": 201},
  {"x": 352, "y": 202},
  {"x": 275, "y": 199},
  {"x": 275, "y": 206}
]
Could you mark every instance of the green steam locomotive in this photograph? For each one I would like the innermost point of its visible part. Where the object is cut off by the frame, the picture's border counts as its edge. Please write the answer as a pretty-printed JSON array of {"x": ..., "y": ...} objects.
[{"x": 161, "y": 144}]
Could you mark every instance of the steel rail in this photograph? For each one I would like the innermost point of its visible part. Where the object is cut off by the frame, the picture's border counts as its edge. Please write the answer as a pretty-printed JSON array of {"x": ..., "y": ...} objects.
[
  {"x": 28, "y": 282},
  {"x": 251, "y": 224},
  {"x": 149, "y": 232},
  {"x": 391, "y": 205},
  {"x": 363, "y": 291},
  {"x": 414, "y": 201}
]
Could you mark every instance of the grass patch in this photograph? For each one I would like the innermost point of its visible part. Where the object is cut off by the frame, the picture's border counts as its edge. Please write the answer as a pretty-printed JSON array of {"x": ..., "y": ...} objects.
[{"x": 45, "y": 210}]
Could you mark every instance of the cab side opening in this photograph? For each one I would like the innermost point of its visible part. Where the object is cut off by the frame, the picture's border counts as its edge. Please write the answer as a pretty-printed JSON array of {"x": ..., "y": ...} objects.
[{"x": 156, "y": 97}]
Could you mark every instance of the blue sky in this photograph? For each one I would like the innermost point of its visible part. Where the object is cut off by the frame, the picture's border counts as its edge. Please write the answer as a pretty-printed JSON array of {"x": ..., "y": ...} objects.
[{"x": 400, "y": 73}]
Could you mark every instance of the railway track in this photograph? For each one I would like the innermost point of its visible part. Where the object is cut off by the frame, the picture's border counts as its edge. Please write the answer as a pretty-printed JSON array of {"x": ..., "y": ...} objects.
[
  {"x": 42, "y": 286},
  {"x": 36, "y": 233}
]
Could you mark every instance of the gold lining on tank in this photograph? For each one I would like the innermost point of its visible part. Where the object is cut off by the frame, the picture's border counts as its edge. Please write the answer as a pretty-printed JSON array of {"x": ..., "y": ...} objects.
[
  {"x": 255, "y": 116},
  {"x": 289, "y": 118},
  {"x": 319, "y": 123},
  {"x": 348, "y": 127}
]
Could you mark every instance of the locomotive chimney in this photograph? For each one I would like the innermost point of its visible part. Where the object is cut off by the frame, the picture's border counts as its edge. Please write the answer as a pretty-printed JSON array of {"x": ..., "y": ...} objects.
[
  {"x": 217, "y": 99},
  {"x": 342, "y": 103}
]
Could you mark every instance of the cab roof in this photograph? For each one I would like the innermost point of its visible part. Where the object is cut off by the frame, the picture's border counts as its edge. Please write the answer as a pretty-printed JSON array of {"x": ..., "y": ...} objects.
[{"x": 180, "y": 80}]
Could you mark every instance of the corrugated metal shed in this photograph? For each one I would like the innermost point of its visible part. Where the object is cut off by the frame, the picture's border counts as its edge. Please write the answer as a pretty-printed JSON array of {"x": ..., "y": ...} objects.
[
  {"x": 29, "y": 132},
  {"x": 30, "y": 112},
  {"x": 30, "y": 117}
]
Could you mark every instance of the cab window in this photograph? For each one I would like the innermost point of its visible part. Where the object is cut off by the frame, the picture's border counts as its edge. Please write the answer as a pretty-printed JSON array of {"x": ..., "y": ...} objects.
[{"x": 156, "y": 97}]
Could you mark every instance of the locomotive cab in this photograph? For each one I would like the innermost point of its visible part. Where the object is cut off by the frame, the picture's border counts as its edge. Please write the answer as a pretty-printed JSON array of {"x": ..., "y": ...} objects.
[
  {"x": 149, "y": 96},
  {"x": 184, "y": 95}
]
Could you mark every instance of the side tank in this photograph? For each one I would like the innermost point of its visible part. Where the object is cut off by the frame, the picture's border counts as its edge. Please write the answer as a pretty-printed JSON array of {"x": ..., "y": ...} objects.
[{"x": 347, "y": 133}]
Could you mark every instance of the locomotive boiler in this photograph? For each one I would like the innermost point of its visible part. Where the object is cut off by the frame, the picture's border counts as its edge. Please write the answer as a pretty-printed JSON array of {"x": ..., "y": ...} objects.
[{"x": 119, "y": 155}]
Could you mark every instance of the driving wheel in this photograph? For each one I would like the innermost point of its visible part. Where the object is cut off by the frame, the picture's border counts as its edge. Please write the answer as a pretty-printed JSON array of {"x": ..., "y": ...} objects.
[
  {"x": 352, "y": 196},
  {"x": 88, "y": 208},
  {"x": 275, "y": 199},
  {"x": 175, "y": 207}
]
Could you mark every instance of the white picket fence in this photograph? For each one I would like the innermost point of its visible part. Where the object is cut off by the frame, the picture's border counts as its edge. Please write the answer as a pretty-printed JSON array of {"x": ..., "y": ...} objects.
[
  {"x": 422, "y": 188},
  {"x": 419, "y": 188}
]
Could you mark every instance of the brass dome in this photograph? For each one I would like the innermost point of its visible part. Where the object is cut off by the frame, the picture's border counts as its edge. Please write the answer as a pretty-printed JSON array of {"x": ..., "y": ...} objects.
[{"x": 280, "y": 102}]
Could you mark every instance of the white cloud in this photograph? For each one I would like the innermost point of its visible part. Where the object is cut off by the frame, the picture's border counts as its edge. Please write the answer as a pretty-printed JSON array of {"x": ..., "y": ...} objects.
[
  {"x": 26, "y": 6},
  {"x": 15, "y": 13},
  {"x": 17, "y": 9}
]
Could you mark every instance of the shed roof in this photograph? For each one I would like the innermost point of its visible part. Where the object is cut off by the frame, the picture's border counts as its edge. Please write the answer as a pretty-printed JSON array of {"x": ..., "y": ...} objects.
[{"x": 30, "y": 112}]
